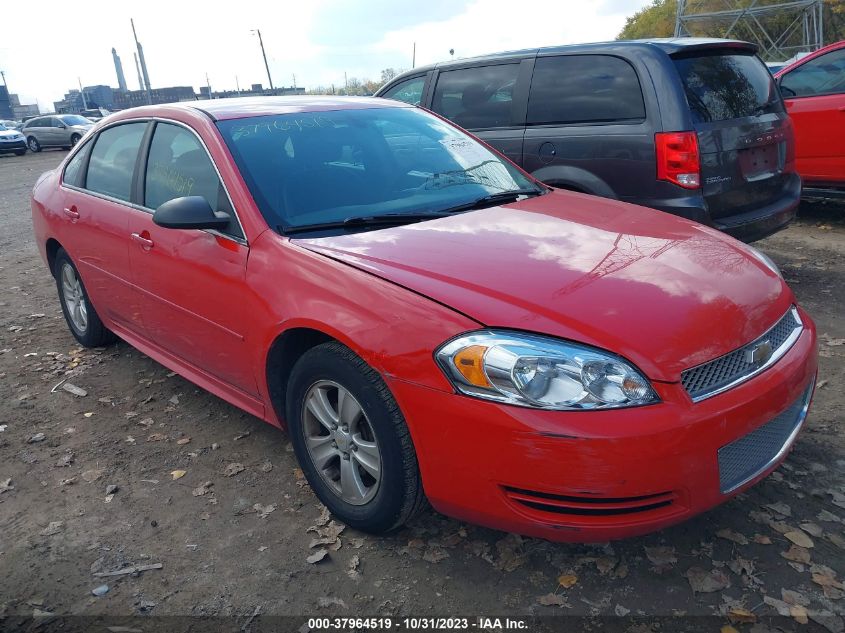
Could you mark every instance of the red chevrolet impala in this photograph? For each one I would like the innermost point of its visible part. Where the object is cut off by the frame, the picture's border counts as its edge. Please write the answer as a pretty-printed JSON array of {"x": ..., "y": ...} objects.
[{"x": 426, "y": 320}]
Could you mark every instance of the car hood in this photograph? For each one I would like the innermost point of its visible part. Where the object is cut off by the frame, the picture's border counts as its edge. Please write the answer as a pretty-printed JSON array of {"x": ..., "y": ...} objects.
[
  {"x": 9, "y": 133},
  {"x": 666, "y": 293}
]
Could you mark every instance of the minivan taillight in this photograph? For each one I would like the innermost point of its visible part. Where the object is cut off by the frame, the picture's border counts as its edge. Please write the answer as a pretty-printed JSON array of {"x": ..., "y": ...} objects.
[{"x": 677, "y": 158}]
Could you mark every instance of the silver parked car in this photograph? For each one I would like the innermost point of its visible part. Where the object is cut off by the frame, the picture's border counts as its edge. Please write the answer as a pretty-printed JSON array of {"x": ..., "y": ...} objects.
[{"x": 55, "y": 130}]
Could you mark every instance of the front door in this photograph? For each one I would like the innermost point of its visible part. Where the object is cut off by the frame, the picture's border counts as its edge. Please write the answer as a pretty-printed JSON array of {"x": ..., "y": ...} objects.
[
  {"x": 814, "y": 93},
  {"x": 195, "y": 301}
]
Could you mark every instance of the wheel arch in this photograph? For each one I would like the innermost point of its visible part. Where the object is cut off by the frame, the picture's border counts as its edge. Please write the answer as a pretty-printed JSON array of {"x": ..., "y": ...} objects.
[
  {"x": 51, "y": 248},
  {"x": 287, "y": 347},
  {"x": 574, "y": 179}
]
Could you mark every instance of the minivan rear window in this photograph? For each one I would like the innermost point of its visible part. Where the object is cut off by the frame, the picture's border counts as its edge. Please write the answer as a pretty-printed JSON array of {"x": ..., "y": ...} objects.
[{"x": 722, "y": 87}]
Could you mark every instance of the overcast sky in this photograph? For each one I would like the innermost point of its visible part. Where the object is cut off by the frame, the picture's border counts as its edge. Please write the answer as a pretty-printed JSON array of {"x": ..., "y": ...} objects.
[{"x": 317, "y": 40}]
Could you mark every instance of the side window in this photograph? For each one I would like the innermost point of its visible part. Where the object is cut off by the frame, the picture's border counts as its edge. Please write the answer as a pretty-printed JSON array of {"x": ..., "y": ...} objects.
[
  {"x": 113, "y": 160},
  {"x": 73, "y": 170},
  {"x": 584, "y": 89},
  {"x": 409, "y": 91},
  {"x": 178, "y": 165},
  {"x": 477, "y": 98},
  {"x": 820, "y": 76}
]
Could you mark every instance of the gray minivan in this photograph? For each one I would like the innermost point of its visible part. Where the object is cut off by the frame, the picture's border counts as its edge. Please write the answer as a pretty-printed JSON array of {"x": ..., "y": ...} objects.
[
  {"x": 694, "y": 127},
  {"x": 55, "y": 130}
]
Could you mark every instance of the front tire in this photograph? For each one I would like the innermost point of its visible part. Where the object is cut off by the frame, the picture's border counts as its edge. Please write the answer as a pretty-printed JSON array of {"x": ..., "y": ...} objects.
[
  {"x": 74, "y": 139},
  {"x": 352, "y": 441},
  {"x": 81, "y": 317},
  {"x": 34, "y": 145},
  {"x": 20, "y": 152}
]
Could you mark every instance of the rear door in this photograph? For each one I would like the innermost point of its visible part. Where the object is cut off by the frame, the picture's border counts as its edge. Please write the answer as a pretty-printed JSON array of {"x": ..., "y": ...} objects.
[
  {"x": 96, "y": 191},
  {"x": 744, "y": 135},
  {"x": 486, "y": 101},
  {"x": 586, "y": 126},
  {"x": 814, "y": 93}
]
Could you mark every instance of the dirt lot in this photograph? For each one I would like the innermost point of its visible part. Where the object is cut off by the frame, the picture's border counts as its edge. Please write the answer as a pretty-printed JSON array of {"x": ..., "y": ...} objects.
[{"x": 237, "y": 546}]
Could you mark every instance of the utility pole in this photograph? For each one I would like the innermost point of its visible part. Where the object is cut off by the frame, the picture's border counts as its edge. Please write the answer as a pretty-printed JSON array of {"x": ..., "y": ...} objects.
[
  {"x": 264, "y": 55},
  {"x": 208, "y": 84},
  {"x": 294, "y": 83},
  {"x": 82, "y": 92},
  {"x": 346, "y": 82},
  {"x": 414, "y": 57},
  {"x": 237, "y": 85}
]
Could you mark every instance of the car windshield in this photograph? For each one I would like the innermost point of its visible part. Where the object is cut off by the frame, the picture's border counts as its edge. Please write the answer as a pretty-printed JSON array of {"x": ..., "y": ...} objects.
[
  {"x": 333, "y": 166},
  {"x": 75, "y": 119}
]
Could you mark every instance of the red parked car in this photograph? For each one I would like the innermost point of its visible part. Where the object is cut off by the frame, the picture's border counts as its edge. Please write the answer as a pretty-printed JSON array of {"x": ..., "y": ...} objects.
[
  {"x": 813, "y": 90},
  {"x": 428, "y": 321}
]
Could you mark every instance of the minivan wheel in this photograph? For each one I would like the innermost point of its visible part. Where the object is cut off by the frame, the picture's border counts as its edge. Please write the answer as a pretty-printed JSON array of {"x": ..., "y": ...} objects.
[
  {"x": 352, "y": 441},
  {"x": 74, "y": 139},
  {"x": 81, "y": 317},
  {"x": 34, "y": 145}
]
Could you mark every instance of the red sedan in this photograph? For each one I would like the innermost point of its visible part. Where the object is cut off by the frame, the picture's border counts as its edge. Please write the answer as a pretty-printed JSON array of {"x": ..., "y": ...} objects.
[
  {"x": 425, "y": 319},
  {"x": 813, "y": 90}
]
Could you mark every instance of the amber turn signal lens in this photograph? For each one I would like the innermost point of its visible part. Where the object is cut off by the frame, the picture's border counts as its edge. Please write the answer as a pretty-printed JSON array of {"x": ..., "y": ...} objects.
[{"x": 470, "y": 363}]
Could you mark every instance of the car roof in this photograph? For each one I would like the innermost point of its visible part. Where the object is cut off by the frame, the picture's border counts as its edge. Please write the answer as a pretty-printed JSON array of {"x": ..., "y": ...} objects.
[
  {"x": 240, "y": 107},
  {"x": 670, "y": 45}
]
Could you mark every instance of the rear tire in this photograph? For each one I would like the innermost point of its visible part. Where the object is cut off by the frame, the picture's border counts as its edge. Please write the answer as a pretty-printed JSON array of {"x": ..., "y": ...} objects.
[
  {"x": 82, "y": 319},
  {"x": 74, "y": 139},
  {"x": 369, "y": 436},
  {"x": 34, "y": 145}
]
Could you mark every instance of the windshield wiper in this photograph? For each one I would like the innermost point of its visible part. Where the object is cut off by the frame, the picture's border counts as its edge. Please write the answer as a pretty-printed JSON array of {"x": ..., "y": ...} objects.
[
  {"x": 388, "y": 219},
  {"x": 493, "y": 199}
]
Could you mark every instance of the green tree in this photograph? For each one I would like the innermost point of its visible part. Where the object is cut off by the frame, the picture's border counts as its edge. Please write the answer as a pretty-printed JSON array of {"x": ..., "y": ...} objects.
[{"x": 658, "y": 20}]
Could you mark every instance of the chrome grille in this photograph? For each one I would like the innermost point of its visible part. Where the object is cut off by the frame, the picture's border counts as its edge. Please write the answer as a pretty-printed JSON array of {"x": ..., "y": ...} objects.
[
  {"x": 743, "y": 459},
  {"x": 727, "y": 371}
]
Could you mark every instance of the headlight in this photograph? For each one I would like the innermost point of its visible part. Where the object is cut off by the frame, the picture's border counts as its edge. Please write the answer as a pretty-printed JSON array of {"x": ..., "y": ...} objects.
[{"x": 545, "y": 373}]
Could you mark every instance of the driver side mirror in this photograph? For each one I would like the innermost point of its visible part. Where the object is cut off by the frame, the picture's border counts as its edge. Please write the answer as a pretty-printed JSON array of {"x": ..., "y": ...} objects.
[
  {"x": 190, "y": 212},
  {"x": 61, "y": 125}
]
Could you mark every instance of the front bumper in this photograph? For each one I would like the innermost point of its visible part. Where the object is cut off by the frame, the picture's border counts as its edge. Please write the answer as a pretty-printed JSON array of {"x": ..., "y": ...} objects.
[
  {"x": 13, "y": 146},
  {"x": 596, "y": 475}
]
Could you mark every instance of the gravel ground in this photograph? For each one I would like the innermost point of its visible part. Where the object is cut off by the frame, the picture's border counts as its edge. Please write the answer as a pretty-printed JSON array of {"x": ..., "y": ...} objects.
[{"x": 92, "y": 484}]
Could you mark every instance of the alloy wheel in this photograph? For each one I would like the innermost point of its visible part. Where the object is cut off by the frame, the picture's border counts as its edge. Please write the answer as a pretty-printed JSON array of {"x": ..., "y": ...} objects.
[
  {"x": 341, "y": 442},
  {"x": 74, "y": 297}
]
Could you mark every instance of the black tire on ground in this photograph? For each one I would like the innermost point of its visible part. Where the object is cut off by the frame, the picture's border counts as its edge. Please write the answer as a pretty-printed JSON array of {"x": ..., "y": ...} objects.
[
  {"x": 20, "y": 152},
  {"x": 33, "y": 144},
  {"x": 399, "y": 495},
  {"x": 74, "y": 139},
  {"x": 94, "y": 333}
]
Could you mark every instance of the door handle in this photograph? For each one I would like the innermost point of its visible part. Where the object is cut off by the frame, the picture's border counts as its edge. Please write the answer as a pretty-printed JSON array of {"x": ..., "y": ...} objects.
[
  {"x": 145, "y": 242},
  {"x": 71, "y": 212}
]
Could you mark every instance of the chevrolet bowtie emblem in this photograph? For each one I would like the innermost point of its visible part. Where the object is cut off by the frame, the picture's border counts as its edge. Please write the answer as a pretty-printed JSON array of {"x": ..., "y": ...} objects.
[{"x": 759, "y": 353}]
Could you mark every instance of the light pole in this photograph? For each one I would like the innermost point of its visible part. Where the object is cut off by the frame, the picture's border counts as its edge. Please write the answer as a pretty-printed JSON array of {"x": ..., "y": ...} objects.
[{"x": 264, "y": 55}]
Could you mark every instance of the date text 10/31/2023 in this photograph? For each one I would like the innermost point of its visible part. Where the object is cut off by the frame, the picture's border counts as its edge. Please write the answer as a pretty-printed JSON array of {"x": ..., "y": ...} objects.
[{"x": 417, "y": 624}]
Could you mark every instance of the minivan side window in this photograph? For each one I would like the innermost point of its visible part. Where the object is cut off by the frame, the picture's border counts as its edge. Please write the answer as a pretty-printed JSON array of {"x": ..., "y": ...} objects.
[
  {"x": 113, "y": 158},
  {"x": 177, "y": 166},
  {"x": 409, "y": 91},
  {"x": 477, "y": 98},
  {"x": 570, "y": 89},
  {"x": 823, "y": 75}
]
